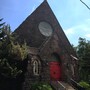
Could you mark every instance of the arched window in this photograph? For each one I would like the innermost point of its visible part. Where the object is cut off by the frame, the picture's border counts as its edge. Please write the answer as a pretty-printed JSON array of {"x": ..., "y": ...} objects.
[
  {"x": 55, "y": 57},
  {"x": 35, "y": 67}
]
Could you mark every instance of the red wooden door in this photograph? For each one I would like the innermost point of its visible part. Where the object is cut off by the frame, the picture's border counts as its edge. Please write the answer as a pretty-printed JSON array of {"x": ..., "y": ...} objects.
[{"x": 55, "y": 71}]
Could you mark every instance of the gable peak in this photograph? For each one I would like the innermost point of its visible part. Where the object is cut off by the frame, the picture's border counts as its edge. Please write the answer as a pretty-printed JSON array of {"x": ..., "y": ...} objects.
[{"x": 45, "y": 1}]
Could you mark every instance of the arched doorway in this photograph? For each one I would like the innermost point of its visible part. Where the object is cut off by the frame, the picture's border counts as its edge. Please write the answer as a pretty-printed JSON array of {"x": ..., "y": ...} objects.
[{"x": 55, "y": 67}]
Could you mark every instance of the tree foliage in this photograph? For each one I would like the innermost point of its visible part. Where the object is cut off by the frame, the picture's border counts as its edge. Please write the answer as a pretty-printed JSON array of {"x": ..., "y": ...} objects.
[
  {"x": 85, "y": 85},
  {"x": 11, "y": 53},
  {"x": 83, "y": 52},
  {"x": 41, "y": 86}
]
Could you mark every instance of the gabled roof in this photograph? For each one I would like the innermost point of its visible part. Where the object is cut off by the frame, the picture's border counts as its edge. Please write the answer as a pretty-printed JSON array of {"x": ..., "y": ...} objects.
[{"x": 28, "y": 30}]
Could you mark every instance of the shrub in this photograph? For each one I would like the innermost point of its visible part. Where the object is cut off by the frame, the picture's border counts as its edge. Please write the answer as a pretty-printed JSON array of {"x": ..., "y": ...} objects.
[
  {"x": 85, "y": 85},
  {"x": 41, "y": 86}
]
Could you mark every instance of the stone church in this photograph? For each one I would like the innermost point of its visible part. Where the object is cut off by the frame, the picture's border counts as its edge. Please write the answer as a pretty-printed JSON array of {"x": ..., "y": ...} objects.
[{"x": 51, "y": 56}]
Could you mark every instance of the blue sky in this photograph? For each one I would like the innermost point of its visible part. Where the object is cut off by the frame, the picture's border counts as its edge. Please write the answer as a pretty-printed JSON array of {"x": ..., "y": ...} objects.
[{"x": 72, "y": 15}]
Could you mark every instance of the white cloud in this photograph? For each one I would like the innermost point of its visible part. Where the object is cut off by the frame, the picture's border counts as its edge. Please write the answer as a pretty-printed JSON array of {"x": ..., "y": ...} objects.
[
  {"x": 83, "y": 27},
  {"x": 87, "y": 35},
  {"x": 88, "y": 20},
  {"x": 81, "y": 30},
  {"x": 69, "y": 31}
]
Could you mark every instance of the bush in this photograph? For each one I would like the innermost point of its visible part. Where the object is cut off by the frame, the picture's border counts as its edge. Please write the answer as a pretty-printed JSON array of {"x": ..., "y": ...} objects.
[
  {"x": 85, "y": 85},
  {"x": 41, "y": 86}
]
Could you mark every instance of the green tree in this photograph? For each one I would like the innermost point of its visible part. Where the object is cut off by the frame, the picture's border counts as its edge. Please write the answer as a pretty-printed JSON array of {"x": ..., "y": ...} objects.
[
  {"x": 11, "y": 53},
  {"x": 83, "y": 52},
  {"x": 1, "y": 32}
]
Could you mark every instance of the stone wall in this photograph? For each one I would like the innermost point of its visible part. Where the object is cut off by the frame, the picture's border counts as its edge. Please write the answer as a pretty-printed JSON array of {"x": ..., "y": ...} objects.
[{"x": 57, "y": 43}]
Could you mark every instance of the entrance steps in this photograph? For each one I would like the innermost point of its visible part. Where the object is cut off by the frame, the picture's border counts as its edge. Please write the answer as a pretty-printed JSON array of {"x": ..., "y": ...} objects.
[{"x": 59, "y": 85}]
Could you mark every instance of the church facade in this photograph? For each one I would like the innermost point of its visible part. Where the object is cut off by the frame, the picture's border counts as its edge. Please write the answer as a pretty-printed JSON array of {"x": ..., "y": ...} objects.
[{"x": 51, "y": 56}]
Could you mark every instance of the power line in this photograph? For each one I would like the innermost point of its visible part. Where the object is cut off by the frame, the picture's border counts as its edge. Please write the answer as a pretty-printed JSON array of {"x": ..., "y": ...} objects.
[{"x": 85, "y": 4}]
